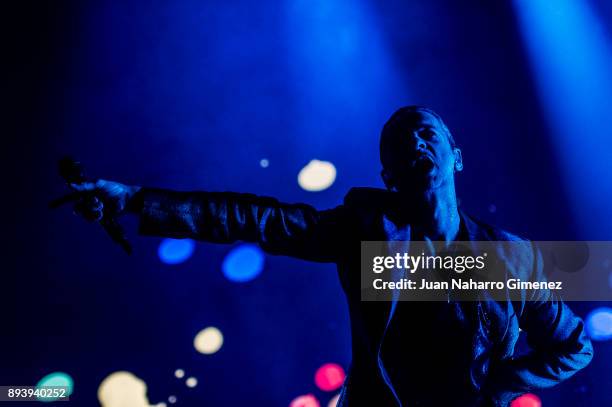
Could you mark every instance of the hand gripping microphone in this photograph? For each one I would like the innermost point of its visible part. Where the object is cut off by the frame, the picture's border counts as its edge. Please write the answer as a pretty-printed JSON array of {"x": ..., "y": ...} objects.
[{"x": 72, "y": 172}]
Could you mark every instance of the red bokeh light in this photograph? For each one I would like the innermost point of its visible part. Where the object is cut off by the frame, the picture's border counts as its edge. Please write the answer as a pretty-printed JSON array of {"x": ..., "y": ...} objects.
[
  {"x": 527, "y": 400},
  {"x": 307, "y": 400},
  {"x": 329, "y": 377}
]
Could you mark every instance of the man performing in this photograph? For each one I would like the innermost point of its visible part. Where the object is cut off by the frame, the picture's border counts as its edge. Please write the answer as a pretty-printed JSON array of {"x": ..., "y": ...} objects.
[{"x": 446, "y": 353}]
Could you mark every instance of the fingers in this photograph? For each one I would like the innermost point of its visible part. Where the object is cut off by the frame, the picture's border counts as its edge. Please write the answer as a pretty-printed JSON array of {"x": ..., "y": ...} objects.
[
  {"x": 91, "y": 199},
  {"x": 90, "y": 208},
  {"x": 81, "y": 191},
  {"x": 71, "y": 197},
  {"x": 87, "y": 186}
]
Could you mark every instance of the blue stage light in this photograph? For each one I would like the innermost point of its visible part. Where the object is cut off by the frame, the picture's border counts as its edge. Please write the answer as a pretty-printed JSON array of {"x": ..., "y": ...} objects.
[
  {"x": 599, "y": 324},
  {"x": 174, "y": 251},
  {"x": 571, "y": 59},
  {"x": 243, "y": 263},
  {"x": 341, "y": 62}
]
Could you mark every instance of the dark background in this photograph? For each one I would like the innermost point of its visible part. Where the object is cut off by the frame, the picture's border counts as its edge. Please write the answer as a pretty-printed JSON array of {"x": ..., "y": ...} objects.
[{"x": 192, "y": 95}]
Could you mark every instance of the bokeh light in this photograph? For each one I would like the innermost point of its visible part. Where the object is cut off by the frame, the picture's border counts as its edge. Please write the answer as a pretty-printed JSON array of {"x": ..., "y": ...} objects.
[
  {"x": 599, "y": 324},
  {"x": 179, "y": 373},
  {"x": 526, "y": 400},
  {"x": 317, "y": 176},
  {"x": 191, "y": 382},
  {"x": 264, "y": 163},
  {"x": 123, "y": 389},
  {"x": 329, "y": 377},
  {"x": 56, "y": 379},
  {"x": 243, "y": 263},
  {"x": 172, "y": 399},
  {"x": 174, "y": 251},
  {"x": 208, "y": 340},
  {"x": 307, "y": 400}
]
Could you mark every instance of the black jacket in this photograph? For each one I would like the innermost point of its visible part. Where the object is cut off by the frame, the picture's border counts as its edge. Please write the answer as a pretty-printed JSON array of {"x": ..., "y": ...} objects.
[{"x": 490, "y": 376}]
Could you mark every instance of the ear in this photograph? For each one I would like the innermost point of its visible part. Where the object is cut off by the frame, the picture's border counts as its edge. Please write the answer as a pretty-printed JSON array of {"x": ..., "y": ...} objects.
[
  {"x": 458, "y": 159},
  {"x": 386, "y": 177}
]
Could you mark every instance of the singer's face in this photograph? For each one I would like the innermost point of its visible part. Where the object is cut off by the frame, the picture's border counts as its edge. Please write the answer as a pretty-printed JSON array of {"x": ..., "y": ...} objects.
[{"x": 418, "y": 154}]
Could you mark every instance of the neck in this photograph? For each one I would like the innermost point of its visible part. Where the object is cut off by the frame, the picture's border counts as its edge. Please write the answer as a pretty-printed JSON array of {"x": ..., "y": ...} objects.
[{"x": 434, "y": 212}]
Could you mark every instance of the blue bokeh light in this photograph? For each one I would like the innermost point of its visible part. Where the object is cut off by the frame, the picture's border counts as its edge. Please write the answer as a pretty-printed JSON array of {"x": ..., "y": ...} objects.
[
  {"x": 243, "y": 263},
  {"x": 174, "y": 251},
  {"x": 56, "y": 379},
  {"x": 599, "y": 324}
]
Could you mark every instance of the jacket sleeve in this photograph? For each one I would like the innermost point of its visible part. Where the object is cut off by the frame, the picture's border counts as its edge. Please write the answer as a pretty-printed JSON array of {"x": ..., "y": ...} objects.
[
  {"x": 558, "y": 341},
  {"x": 296, "y": 230}
]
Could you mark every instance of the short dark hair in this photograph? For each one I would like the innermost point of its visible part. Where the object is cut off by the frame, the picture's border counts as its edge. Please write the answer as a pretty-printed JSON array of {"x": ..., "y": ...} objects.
[{"x": 391, "y": 125}]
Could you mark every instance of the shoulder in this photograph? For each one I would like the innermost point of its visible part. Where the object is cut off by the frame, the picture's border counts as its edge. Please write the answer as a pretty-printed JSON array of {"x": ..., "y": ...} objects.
[
  {"x": 369, "y": 203},
  {"x": 366, "y": 196}
]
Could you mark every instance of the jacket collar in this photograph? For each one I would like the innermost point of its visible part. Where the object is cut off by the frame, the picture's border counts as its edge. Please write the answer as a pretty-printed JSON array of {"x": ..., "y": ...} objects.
[{"x": 470, "y": 230}]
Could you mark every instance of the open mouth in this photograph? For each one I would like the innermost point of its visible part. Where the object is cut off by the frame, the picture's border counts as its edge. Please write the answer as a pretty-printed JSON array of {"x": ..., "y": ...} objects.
[{"x": 424, "y": 161}]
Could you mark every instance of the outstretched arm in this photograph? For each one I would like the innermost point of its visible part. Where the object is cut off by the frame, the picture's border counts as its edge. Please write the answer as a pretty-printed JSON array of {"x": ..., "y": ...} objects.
[{"x": 297, "y": 230}]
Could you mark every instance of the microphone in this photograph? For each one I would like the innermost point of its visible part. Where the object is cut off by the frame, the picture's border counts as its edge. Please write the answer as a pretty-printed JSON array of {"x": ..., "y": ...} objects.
[{"x": 72, "y": 172}]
